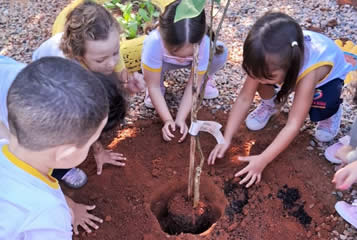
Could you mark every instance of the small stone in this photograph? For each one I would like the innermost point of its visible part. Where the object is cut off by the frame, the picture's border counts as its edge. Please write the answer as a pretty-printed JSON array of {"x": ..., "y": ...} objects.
[
  {"x": 310, "y": 148},
  {"x": 232, "y": 227},
  {"x": 343, "y": 237},
  {"x": 311, "y": 205},
  {"x": 312, "y": 143},
  {"x": 108, "y": 218},
  {"x": 308, "y": 234}
]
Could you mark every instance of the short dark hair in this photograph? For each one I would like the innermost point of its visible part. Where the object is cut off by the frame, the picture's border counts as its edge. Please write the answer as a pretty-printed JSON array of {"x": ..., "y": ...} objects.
[
  {"x": 273, "y": 34},
  {"x": 189, "y": 30},
  {"x": 55, "y": 101},
  {"x": 117, "y": 102}
]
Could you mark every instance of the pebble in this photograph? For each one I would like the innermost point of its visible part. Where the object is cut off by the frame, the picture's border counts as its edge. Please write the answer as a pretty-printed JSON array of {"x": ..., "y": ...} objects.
[{"x": 309, "y": 148}]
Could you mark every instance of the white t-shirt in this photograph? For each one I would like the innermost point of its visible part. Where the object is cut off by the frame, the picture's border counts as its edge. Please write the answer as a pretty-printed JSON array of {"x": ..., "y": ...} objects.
[
  {"x": 49, "y": 48},
  {"x": 9, "y": 69},
  {"x": 320, "y": 51},
  {"x": 154, "y": 54},
  {"x": 32, "y": 206}
]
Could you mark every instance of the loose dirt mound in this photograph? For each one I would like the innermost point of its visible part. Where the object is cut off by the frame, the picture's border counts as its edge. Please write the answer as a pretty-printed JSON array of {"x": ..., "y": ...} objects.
[{"x": 129, "y": 198}]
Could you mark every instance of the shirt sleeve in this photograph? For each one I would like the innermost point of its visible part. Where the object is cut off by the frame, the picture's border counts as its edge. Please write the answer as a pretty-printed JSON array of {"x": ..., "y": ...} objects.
[
  {"x": 49, "y": 48},
  {"x": 203, "y": 58},
  {"x": 353, "y": 134},
  {"x": 151, "y": 58}
]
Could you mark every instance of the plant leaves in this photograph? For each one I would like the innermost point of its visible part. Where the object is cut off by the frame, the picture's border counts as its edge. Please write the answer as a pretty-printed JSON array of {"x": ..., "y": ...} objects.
[
  {"x": 144, "y": 14},
  {"x": 218, "y": 1},
  {"x": 189, "y": 9}
]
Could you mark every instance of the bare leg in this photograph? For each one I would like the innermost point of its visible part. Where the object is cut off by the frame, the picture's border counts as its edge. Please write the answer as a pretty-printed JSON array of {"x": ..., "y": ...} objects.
[{"x": 266, "y": 91}]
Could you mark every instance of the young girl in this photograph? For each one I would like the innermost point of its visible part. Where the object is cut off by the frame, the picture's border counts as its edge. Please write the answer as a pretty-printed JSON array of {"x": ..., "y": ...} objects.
[
  {"x": 91, "y": 38},
  {"x": 277, "y": 52},
  {"x": 171, "y": 47},
  {"x": 347, "y": 175}
]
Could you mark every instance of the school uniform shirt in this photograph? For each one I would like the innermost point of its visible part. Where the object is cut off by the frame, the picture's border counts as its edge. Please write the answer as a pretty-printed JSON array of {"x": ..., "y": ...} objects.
[
  {"x": 9, "y": 69},
  {"x": 320, "y": 51},
  {"x": 154, "y": 54},
  {"x": 32, "y": 205},
  {"x": 51, "y": 48}
]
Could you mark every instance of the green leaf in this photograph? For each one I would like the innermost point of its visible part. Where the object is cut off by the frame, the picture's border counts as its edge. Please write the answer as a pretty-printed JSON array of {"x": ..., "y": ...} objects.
[
  {"x": 189, "y": 9},
  {"x": 218, "y": 1},
  {"x": 144, "y": 14},
  {"x": 132, "y": 29}
]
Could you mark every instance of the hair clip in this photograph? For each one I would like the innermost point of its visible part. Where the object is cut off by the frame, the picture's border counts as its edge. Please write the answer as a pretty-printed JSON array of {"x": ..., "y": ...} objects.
[{"x": 294, "y": 43}]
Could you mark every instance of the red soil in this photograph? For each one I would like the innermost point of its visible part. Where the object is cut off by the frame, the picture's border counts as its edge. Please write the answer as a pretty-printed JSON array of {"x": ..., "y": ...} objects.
[{"x": 129, "y": 198}]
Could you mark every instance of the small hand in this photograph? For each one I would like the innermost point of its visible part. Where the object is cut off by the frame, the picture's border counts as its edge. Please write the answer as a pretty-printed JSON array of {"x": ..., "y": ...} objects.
[
  {"x": 82, "y": 218},
  {"x": 253, "y": 170},
  {"x": 346, "y": 176},
  {"x": 218, "y": 152},
  {"x": 166, "y": 132},
  {"x": 108, "y": 157},
  {"x": 183, "y": 129},
  {"x": 136, "y": 82}
]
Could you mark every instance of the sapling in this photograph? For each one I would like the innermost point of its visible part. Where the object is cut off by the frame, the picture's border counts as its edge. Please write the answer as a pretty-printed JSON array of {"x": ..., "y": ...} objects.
[{"x": 189, "y": 9}]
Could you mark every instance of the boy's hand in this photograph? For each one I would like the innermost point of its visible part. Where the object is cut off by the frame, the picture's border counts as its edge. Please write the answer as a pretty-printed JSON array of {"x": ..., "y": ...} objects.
[
  {"x": 253, "y": 170},
  {"x": 346, "y": 176},
  {"x": 82, "y": 218},
  {"x": 104, "y": 156},
  {"x": 342, "y": 153},
  {"x": 218, "y": 152},
  {"x": 169, "y": 126},
  {"x": 183, "y": 129}
]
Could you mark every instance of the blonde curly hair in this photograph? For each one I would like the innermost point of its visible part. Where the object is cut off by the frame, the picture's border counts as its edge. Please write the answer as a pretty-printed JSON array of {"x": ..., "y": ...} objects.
[{"x": 88, "y": 21}]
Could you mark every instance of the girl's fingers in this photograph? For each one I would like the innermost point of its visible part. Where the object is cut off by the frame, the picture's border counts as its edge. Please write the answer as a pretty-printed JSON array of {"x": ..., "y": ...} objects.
[
  {"x": 252, "y": 181},
  {"x": 90, "y": 207},
  {"x": 246, "y": 178},
  {"x": 92, "y": 224},
  {"x": 85, "y": 227},
  {"x": 241, "y": 172},
  {"x": 116, "y": 163},
  {"x": 75, "y": 229},
  {"x": 94, "y": 218}
]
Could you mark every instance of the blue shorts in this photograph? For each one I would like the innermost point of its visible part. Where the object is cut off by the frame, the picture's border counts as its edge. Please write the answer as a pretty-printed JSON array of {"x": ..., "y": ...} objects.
[{"x": 326, "y": 100}]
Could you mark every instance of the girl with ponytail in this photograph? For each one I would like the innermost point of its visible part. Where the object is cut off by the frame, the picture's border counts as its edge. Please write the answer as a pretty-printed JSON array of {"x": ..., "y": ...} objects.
[{"x": 280, "y": 58}]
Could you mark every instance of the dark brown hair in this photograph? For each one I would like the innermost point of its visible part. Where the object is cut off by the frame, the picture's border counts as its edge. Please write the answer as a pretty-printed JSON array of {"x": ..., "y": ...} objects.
[
  {"x": 176, "y": 35},
  {"x": 273, "y": 35},
  {"x": 54, "y": 101},
  {"x": 88, "y": 21}
]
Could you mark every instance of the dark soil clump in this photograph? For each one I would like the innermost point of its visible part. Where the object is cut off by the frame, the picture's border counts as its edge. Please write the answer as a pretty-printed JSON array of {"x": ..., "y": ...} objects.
[
  {"x": 290, "y": 196},
  {"x": 238, "y": 198}
]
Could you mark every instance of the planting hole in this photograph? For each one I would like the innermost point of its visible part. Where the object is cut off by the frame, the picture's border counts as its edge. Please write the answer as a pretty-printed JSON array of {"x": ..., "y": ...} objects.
[{"x": 176, "y": 214}]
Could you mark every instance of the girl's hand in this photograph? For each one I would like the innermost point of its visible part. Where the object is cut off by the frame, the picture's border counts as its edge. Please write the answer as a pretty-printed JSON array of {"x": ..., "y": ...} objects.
[
  {"x": 218, "y": 151},
  {"x": 346, "y": 176},
  {"x": 166, "y": 132},
  {"x": 183, "y": 129},
  {"x": 108, "y": 157},
  {"x": 253, "y": 170},
  {"x": 82, "y": 218}
]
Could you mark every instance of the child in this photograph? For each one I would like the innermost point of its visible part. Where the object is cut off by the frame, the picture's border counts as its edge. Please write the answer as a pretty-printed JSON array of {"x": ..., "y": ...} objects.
[
  {"x": 55, "y": 113},
  {"x": 171, "y": 47},
  {"x": 91, "y": 37},
  {"x": 277, "y": 52},
  {"x": 346, "y": 176}
]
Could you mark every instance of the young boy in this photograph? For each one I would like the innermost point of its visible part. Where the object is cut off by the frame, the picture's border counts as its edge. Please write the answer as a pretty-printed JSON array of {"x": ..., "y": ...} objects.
[{"x": 56, "y": 110}]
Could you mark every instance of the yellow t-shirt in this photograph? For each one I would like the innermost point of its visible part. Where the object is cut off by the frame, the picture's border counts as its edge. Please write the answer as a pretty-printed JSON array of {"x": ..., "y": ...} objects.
[{"x": 60, "y": 21}]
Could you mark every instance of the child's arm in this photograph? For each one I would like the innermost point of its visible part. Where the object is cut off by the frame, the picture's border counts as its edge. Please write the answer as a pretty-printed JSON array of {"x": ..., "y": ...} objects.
[
  {"x": 152, "y": 80},
  {"x": 186, "y": 105},
  {"x": 346, "y": 176},
  {"x": 236, "y": 117},
  {"x": 81, "y": 217},
  {"x": 304, "y": 92}
]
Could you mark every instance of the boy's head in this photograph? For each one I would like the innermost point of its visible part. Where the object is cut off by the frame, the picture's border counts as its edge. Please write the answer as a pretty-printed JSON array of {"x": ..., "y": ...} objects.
[
  {"x": 91, "y": 36},
  {"x": 54, "y": 103}
]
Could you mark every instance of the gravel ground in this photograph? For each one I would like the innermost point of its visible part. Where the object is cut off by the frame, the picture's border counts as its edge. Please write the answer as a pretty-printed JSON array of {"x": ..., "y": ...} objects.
[{"x": 26, "y": 24}]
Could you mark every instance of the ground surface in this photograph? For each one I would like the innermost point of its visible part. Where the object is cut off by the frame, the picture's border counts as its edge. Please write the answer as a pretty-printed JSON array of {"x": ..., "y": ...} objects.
[
  {"x": 155, "y": 169},
  {"x": 125, "y": 197}
]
